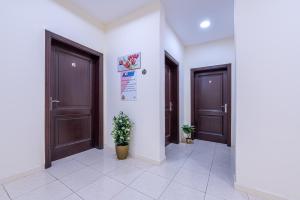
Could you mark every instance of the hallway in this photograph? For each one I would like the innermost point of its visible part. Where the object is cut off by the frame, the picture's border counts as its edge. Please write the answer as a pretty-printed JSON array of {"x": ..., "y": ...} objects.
[{"x": 193, "y": 172}]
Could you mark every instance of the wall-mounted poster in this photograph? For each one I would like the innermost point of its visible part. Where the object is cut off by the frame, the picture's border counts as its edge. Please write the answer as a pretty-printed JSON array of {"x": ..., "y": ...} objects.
[
  {"x": 129, "y": 62},
  {"x": 128, "y": 86}
]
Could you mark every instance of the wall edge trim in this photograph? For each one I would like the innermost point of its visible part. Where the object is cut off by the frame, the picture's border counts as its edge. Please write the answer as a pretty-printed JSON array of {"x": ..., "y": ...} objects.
[{"x": 258, "y": 193}]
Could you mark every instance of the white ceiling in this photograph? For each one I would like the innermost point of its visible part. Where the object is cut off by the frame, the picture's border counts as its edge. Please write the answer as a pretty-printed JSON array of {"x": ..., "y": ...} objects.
[
  {"x": 184, "y": 16},
  {"x": 107, "y": 11}
]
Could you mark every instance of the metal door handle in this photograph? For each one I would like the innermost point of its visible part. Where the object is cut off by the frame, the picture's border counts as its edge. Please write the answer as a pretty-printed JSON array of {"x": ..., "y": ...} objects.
[
  {"x": 53, "y": 101},
  {"x": 171, "y": 106},
  {"x": 225, "y": 107}
]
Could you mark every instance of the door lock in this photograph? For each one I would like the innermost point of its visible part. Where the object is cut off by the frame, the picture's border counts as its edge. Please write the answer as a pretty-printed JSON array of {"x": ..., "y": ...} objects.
[
  {"x": 225, "y": 107},
  {"x": 53, "y": 101}
]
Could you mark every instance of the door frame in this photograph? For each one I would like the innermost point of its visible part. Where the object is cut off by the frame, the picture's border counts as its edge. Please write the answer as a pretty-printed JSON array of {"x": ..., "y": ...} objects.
[
  {"x": 226, "y": 67},
  {"x": 175, "y": 63},
  {"x": 51, "y": 37}
]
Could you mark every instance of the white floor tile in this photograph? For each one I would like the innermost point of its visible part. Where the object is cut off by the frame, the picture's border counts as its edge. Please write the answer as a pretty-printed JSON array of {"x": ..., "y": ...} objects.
[
  {"x": 97, "y": 175},
  {"x": 89, "y": 157},
  {"x": 175, "y": 161},
  {"x": 125, "y": 174},
  {"x": 137, "y": 163},
  {"x": 130, "y": 194},
  {"x": 192, "y": 179},
  {"x": 28, "y": 183},
  {"x": 165, "y": 170},
  {"x": 73, "y": 197},
  {"x": 170, "y": 147},
  {"x": 204, "y": 146},
  {"x": 110, "y": 152},
  {"x": 105, "y": 188},
  {"x": 209, "y": 197},
  {"x": 222, "y": 160},
  {"x": 177, "y": 191},
  {"x": 204, "y": 157},
  {"x": 106, "y": 164},
  {"x": 198, "y": 166},
  {"x": 52, "y": 191},
  {"x": 222, "y": 148},
  {"x": 219, "y": 187},
  {"x": 81, "y": 178},
  {"x": 222, "y": 172},
  {"x": 151, "y": 185},
  {"x": 3, "y": 195},
  {"x": 63, "y": 168},
  {"x": 181, "y": 149},
  {"x": 255, "y": 198},
  {"x": 2, "y": 192}
]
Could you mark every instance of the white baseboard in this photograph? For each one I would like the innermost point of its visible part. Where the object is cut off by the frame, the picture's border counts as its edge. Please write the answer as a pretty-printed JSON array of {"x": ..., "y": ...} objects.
[
  {"x": 257, "y": 193},
  {"x": 21, "y": 175}
]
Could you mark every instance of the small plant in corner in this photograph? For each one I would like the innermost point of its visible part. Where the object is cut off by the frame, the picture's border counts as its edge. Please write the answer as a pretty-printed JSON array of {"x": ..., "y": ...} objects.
[
  {"x": 122, "y": 127},
  {"x": 188, "y": 130}
]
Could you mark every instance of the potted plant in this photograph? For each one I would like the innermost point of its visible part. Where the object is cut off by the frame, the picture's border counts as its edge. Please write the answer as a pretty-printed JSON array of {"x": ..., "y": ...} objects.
[
  {"x": 188, "y": 130},
  {"x": 122, "y": 127}
]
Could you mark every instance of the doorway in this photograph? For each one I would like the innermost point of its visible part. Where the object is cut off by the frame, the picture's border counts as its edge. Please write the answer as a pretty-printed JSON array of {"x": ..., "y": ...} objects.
[
  {"x": 211, "y": 103},
  {"x": 171, "y": 100},
  {"x": 73, "y": 98}
]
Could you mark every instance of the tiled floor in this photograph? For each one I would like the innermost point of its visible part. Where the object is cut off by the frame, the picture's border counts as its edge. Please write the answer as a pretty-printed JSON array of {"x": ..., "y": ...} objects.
[{"x": 191, "y": 172}]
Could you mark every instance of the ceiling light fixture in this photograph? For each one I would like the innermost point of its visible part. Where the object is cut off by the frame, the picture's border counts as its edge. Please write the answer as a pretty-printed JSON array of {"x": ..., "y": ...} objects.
[{"x": 205, "y": 24}]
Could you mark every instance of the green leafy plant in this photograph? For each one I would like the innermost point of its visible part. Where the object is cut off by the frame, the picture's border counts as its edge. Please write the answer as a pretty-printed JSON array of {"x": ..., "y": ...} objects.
[
  {"x": 188, "y": 130},
  {"x": 122, "y": 127}
]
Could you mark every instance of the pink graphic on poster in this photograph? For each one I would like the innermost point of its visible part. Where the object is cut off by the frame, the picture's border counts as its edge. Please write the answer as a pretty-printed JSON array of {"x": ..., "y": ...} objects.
[{"x": 129, "y": 62}]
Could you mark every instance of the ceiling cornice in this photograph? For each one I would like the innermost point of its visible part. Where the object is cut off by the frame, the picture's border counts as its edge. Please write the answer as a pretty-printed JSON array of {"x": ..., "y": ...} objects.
[
  {"x": 144, "y": 10},
  {"x": 81, "y": 13}
]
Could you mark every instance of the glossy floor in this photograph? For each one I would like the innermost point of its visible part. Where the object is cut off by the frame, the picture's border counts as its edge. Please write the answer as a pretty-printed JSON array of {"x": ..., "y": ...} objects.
[{"x": 201, "y": 171}]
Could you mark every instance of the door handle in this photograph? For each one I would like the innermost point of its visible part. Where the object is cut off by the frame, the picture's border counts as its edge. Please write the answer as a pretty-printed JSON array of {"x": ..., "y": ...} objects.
[
  {"x": 53, "y": 101},
  {"x": 225, "y": 107},
  {"x": 171, "y": 106}
]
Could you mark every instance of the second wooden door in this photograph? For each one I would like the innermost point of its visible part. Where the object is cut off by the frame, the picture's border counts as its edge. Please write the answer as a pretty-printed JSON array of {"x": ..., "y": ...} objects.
[
  {"x": 171, "y": 101},
  {"x": 211, "y": 105}
]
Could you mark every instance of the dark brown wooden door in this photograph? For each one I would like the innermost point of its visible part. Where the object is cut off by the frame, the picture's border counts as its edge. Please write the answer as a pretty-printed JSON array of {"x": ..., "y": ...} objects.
[
  {"x": 71, "y": 102},
  {"x": 211, "y": 106},
  {"x": 168, "y": 104},
  {"x": 171, "y": 102}
]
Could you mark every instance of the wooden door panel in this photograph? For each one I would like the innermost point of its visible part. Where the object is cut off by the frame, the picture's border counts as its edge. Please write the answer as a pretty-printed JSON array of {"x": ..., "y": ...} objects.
[
  {"x": 73, "y": 86},
  {"x": 210, "y": 124},
  {"x": 80, "y": 127},
  {"x": 210, "y": 96},
  {"x": 209, "y": 92}
]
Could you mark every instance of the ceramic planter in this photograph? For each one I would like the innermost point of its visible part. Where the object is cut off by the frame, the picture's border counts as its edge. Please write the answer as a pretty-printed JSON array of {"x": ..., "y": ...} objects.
[
  {"x": 122, "y": 152},
  {"x": 189, "y": 140}
]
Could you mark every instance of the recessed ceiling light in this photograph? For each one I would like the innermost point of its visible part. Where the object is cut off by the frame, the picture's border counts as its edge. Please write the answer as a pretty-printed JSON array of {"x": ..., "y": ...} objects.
[{"x": 205, "y": 24}]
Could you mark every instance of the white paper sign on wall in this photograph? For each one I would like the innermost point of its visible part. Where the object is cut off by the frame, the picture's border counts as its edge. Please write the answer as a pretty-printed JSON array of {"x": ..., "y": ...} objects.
[{"x": 128, "y": 86}]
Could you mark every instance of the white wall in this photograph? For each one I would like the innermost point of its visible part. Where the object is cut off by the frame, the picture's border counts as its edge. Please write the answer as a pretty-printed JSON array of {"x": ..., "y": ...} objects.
[
  {"x": 268, "y": 96},
  {"x": 22, "y": 59},
  {"x": 138, "y": 35}
]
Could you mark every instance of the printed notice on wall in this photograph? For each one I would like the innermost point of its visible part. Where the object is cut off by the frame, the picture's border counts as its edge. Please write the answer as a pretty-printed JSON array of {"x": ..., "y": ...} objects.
[{"x": 128, "y": 86}]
